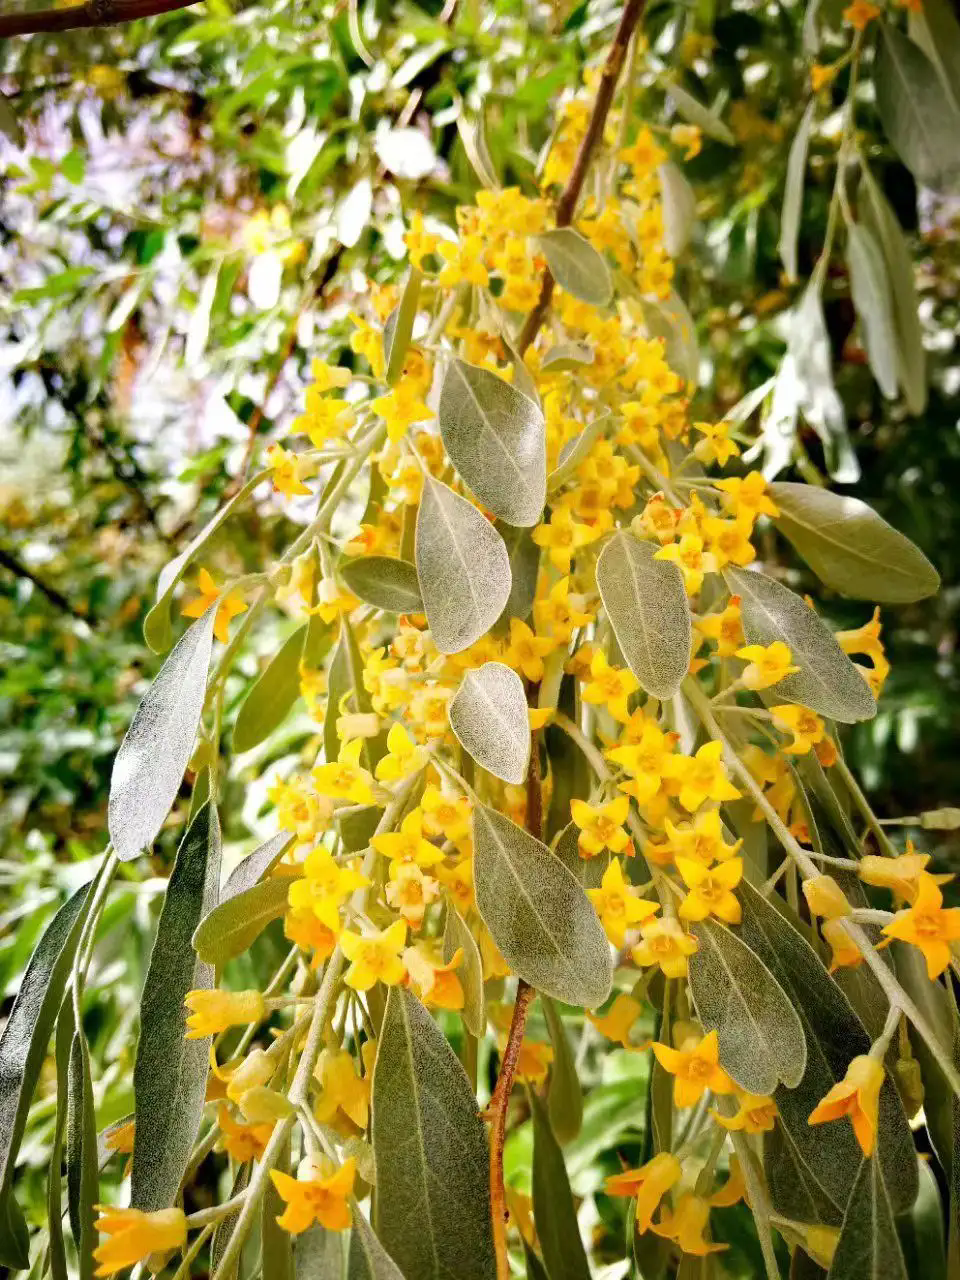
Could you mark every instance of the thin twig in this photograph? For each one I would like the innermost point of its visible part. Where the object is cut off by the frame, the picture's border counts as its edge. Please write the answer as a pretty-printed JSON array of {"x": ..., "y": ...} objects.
[
  {"x": 497, "y": 1115},
  {"x": 95, "y": 13},
  {"x": 9, "y": 561}
]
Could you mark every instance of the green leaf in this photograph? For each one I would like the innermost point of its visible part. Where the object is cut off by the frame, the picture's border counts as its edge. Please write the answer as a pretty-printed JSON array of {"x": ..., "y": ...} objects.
[
  {"x": 256, "y": 865},
  {"x": 535, "y": 1268},
  {"x": 646, "y": 604},
  {"x": 150, "y": 764},
  {"x": 827, "y": 681},
  {"x": 271, "y": 696},
  {"x": 157, "y": 630},
  {"x": 384, "y": 582},
  {"x": 576, "y": 450},
  {"x": 524, "y": 556},
  {"x": 589, "y": 871},
  {"x": 827, "y": 1154},
  {"x": 873, "y": 300},
  {"x": 850, "y": 548},
  {"x": 368, "y": 1260},
  {"x": 911, "y": 358},
  {"x": 399, "y": 328},
  {"x": 358, "y": 825},
  {"x": 232, "y": 926},
  {"x": 433, "y": 1191},
  {"x": 566, "y": 356},
  {"x": 564, "y": 1096},
  {"x": 538, "y": 914},
  {"x": 935, "y": 28},
  {"x": 62, "y": 1046},
  {"x": 225, "y": 1227},
  {"x": 921, "y": 1231},
  {"x": 868, "y": 1248},
  {"x": 553, "y": 1208},
  {"x": 456, "y": 936},
  {"x": 761, "y": 1039},
  {"x": 82, "y": 1170},
  {"x": 346, "y": 676},
  {"x": 496, "y": 438},
  {"x": 920, "y": 119},
  {"x": 576, "y": 265},
  {"x": 463, "y": 568},
  {"x": 23, "y": 1047},
  {"x": 670, "y": 319},
  {"x": 170, "y": 1072},
  {"x": 488, "y": 714},
  {"x": 793, "y": 193},
  {"x": 696, "y": 113},
  {"x": 679, "y": 206}
]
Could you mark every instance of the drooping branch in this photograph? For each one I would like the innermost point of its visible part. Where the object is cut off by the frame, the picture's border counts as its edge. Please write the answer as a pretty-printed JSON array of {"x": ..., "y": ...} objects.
[
  {"x": 567, "y": 204},
  {"x": 93, "y": 13}
]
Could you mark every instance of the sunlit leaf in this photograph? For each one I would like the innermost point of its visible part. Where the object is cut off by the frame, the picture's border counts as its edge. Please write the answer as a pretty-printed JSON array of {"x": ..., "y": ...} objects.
[
  {"x": 230, "y": 928},
  {"x": 873, "y": 299},
  {"x": 919, "y": 117},
  {"x": 256, "y": 865},
  {"x": 565, "y": 356},
  {"x": 792, "y": 208},
  {"x": 488, "y": 714},
  {"x": 693, "y": 110},
  {"x": 271, "y": 696},
  {"x": 384, "y": 582},
  {"x": 679, "y": 206},
  {"x": 576, "y": 265},
  {"x": 399, "y": 327}
]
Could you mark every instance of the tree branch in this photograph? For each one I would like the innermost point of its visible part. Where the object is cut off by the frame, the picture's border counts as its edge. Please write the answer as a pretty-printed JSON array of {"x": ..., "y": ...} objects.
[
  {"x": 9, "y": 561},
  {"x": 567, "y": 204},
  {"x": 93, "y": 13}
]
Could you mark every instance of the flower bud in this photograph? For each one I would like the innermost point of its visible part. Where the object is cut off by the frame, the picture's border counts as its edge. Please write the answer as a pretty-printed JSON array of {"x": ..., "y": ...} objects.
[{"x": 825, "y": 897}]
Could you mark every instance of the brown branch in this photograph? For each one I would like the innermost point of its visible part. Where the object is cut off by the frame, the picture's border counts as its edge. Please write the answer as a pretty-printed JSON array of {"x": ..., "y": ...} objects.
[
  {"x": 567, "y": 204},
  {"x": 9, "y": 561},
  {"x": 497, "y": 1115},
  {"x": 94, "y": 13}
]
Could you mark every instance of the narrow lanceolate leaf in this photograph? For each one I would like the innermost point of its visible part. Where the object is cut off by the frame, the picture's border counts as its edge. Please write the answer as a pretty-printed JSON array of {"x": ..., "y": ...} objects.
[
  {"x": 232, "y": 926},
  {"x": 149, "y": 766},
  {"x": 488, "y": 714},
  {"x": 23, "y": 1047},
  {"x": 936, "y": 29},
  {"x": 82, "y": 1171},
  {"x": 564, "y": 1097},
  {"x": 538, "y": 914},
  {"x": 647, "y": 607},
  {"x": 793, "y": 193},
  {"x": 692, "y": 109},
  {"x": 524, "y": 556},
  {"x": 272, "y": 695},
  {"x": 384, "y": 582},
  {"x": 346, "y": 677},
  {"x": 868, "y": 1248},
  {"x": 62, "y": 1045},
  {"x": 576, "y": 265},
  {"x": 911, "y": 357},
  {"x": 433, "y": 1193},
  {"x": 457, "y": 937},
  {"x": 170, "y": 1072},
  {"x": 827, "y": 681},
  {"x": 399, "y": 328},
  {"x": 823, "y": 1159},
  {"x": 679, "y": 206},
  {"x": 873, "y": 300},
  {"x": 256, "y": 865},
  {"x": 157, "y": 629},
  {"x": 850, "y": 548},
  {"x": 463, "y": 568},
  {"x": 367, "y": 1259},
  {"x": 496, "y": 438},
  {"x": 564, "y": 1256},
  {"x": 916, "y": 111},
  {"x": 761, "y": 1039}
]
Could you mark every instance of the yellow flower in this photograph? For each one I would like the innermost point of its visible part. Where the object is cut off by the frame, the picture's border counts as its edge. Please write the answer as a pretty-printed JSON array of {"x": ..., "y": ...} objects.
[
  {"x": 729, "y": 541},
  {"x": 691, "y": 559},
  {"x": 716, "y": 446},
  {"x": 601, "y": 827},
  {"x": 747, "y": 496},
  {"x": 821, "y": 76},
  {"x": 445, "y": 815},
  {"x": 436, "y": 982},
  {"x": 702, "y": 840},
  {"x": 215, "y": 1011},
  {"x": 805, "y": 725},
  {"x": 403, "y": 756},
  {"x": 563, "y": 537},
  {"x": 610, "y": 687},
  {"x": 865, "y": 640},
  {"x": 685, "y": 1225},
  {"x": 825, "y": 897},
  {"x": 345, "y": 780},
  {"x": 755, "y": 1115},
  {"x": 375, "y": 957},
  {"x": 928, "y": 925},
  {"x": 324, "y": 887},
  {"x": 135, "y": 1235},
  {"x": 306, "y": 931},
  {"x": 665, "y": 942},
  {"x": 533, "y": 1061},
  {"x": 845, "y": 952},
  {"x": 242, "y": 1142},
  {"x": 318, "y": 1199},
  {"x": 688, "y": 136},
  {"x": 527, "y": 651},
  {"x": 332, "y": 600},
  {"x": 289, "y": 471},
  {"x": 767, "y": 664},
  {"x": 560, "y": 614},
  {"x": 695, "y": 1067},
  {"x": 342, "y": 1088},
  {"x": 409, "y": 892},
  {"x": 723, "y": 628},
  {"x": 648, "y": 761},
  {"x": 711, "y": 890},
  {"x": 229, "y": 608},
  {"x": 616, "y": 1023},
  {"x": 408, "y": 844},
  {"x": 648, "y": 1184},
  {"x": 860, "y": 14},
  {"x": 900, "y": 875},
  {"x": 857, "y": 1095},
  {"x": 702, "y": 777},
  {"x": 617, "y": 905}
]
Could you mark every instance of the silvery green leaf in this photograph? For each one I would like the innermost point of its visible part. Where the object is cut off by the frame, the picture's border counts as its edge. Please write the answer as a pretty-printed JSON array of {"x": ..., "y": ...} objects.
[
  {"x": 872, "y": 298},
  {"x": 696, "y": 113},
  {"x": 271, "y": 695},
  {"x": 827, "y": 681},
  {"x": 646, "y": 604},
  {"x": 399, "y": 328},
  {"x": 576, "y": 450},
  {"x": 357, "y": 825},
  {"x": 576, "y": 265},
  {"x": 679, "y": 208},
  {"x": 81, "y": 1153},
  {"x": 433, "y": 1190},
  {"x": 670, "y": 319},
  {"x": 920, "y": 119},
  {"x": 736, "y": 995},
  {"x": 793, "y": 193},
  {"x": 537, "y": 913},
  {"x": 564, "y": 1096},
  {"x": 230, "y": 928},
  {"x": 868, "y": 1248},
  {"x": 462, "y": 566},
  {"x": 566, "y": 356},
  {"x": 368, "y": 1260},
  {"x": 23, "y": 1047},
  {"x": 384, "y": 582},
  {"x": 556, "y": 1215},
  {"x": 850, "y": 548},
  {"x": 256, "y": 865},
  {"x": 488, "y": 714},
  {"x": 588, "y": 871},
  {"x": 524, "y": 556},
  {"x": 496, "y": 438},
  {"x": 150, "y": 764},
  {"x": 456, "y": 936},
  {"x": 170, "y": 1072},
  {"x": 346, "y": 677},
  {"x": 935, "y": 28},
  {"x": 63, "y": 1042}
]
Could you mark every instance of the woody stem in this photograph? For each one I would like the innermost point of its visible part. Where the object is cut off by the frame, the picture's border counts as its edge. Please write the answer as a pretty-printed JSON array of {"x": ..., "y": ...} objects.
[{"x": 497, "y": 1115}]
